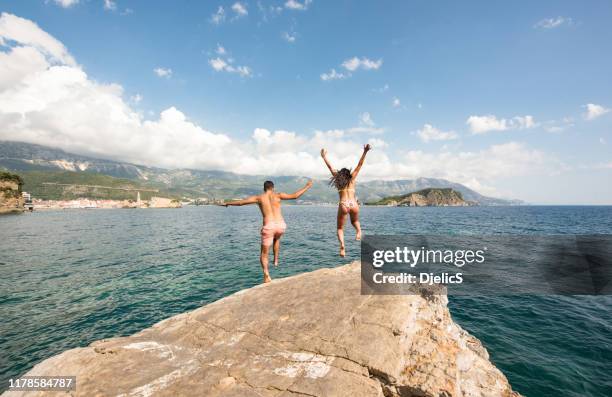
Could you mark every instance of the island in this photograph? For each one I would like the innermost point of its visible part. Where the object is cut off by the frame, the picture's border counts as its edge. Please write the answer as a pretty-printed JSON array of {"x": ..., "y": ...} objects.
[
  {"x": 312, "y": 334},
  {"x": 430, "y": 197}
]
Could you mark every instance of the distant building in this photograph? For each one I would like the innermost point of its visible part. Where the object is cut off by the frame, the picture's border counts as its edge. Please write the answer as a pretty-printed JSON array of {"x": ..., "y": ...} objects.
[
  {"x": 162, "y": 202},
  {"x": 27, "y": 201}
]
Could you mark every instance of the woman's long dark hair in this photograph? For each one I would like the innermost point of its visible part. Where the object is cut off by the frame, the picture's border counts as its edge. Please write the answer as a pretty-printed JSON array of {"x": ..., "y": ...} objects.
[{"x": 342, "y": 179}]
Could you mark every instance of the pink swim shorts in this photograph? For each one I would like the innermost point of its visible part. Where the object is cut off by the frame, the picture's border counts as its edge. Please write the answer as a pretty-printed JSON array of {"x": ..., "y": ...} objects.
[{"x": 272, "y": 230}]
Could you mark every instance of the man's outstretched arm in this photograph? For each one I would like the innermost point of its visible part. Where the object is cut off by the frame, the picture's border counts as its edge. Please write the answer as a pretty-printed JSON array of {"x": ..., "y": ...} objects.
[
  {"x": 246, "y": 201},
  {"x": 297, "y": 194}
]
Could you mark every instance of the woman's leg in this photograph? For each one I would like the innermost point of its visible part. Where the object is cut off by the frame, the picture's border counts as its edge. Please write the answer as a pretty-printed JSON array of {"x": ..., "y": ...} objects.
[
  {"x": 354, "y": 213},
  {"x": 340, "y": 229}
]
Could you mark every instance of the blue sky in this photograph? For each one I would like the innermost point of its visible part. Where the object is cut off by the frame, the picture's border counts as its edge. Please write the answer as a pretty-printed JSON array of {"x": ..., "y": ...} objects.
[{"x": 491, "y": 94}]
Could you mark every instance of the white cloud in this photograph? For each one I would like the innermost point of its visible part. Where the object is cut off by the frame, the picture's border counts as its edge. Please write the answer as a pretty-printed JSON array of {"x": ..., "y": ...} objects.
[
  {"x": 220, "y": 50},
  {"x": 110, "y": 5},
  {"x": 366, "y": 119},
  {"x": 218, "y": 17},
  {"x": 487, "y": 123},
  {"x": 362, "y": 128},
  {"x": 395, "y": 102},
  {"x": 430, "y": 133},
  {"x": 163, "y": 72},
  {"x": 66, "y": 3},
  {"x": 18, "y": 64},
  {"x": 551, "y": 23},
  {"x": 218, "y": 64},
  {"x": 522, "y": 122},
  {"x": 225, "y": 64},
  {"x": 239, "y": 9},
  {"x": 479, "y": 169},
  {"x": 296, "y": 5},
  {"x": 27, "y": 33},
  {"x": 555, "y": 126},
  {"x": 365, "y": 125},
  {"x": 333, "y": 75},
  {"x": 58, "y": 104},
  {"x": 594, "y": 111},
  {"x": 268, "y": 12},
  {"x": 355, "y": 63},
  {"x": 377, "y": 143},
  {"x": 289, "y": 37},
  {"x": 482, "y": 124},
  {"x": 351, "y": 65},
  {"x": 137, "y": 98}
]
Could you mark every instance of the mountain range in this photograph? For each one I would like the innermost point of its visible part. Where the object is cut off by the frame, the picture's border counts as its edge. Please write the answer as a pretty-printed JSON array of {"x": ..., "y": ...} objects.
[{"x": 40, "y": 165}]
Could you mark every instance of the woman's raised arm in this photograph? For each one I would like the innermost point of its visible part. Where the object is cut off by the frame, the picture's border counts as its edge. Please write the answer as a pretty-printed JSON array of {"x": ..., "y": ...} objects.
[
  {"x": 366, "y": 149},
  {"x": 324, "y": 155}
]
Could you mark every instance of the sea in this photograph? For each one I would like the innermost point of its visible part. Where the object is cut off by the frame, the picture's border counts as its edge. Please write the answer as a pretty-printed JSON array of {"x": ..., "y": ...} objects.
[{"x": 70, "y": 277}]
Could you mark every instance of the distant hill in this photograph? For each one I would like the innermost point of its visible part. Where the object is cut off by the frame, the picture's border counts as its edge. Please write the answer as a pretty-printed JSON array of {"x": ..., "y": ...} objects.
[
  {"x": 69, "y": 185},
  {"x": 24, "y": 158},
  {"x": 430, "y": 197}
]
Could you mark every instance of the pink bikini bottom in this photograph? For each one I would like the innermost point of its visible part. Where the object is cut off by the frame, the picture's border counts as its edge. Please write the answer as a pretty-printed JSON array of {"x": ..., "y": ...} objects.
[{"x": 348, "y": 204}]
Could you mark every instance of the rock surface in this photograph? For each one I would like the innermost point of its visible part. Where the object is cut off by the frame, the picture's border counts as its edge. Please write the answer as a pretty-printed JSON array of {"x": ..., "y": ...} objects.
[{"x": 312, "y": 334}]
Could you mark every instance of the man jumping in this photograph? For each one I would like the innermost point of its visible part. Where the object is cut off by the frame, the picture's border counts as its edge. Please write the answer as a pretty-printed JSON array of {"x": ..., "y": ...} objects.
[{"x": 274, "y": 226}]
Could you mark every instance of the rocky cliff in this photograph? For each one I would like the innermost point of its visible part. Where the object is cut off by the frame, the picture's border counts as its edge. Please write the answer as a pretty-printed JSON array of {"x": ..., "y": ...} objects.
[
  {"x": 432, "y": 197},
  {"x": 10, "y": 193},
  {"x": 312, "y": 334}
]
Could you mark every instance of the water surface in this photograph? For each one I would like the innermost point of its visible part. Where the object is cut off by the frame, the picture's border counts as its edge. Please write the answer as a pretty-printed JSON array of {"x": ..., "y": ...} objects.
[{"x": 70, "y": 277}]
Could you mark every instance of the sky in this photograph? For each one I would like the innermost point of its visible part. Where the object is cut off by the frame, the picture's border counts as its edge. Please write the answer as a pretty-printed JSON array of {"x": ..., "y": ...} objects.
[{"x": 513, "y": 99}]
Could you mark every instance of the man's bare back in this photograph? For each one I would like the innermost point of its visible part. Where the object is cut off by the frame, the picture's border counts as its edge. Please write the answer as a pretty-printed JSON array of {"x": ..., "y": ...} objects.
[
  {"x": 270, "y": 206},
  {"x": 269, "y": 203}
]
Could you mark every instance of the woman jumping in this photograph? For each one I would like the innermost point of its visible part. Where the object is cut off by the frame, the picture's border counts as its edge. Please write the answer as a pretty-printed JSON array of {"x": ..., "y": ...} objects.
[{"x": 344, "y": 181}]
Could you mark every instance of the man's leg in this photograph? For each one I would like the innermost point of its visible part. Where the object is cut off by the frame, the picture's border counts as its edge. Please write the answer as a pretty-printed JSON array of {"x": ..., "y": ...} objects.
[
  {"x": 355, "y": 221},
  {"x": 276, "y": 247},
  {"x": 263, "y": 258},
  {"x": 340, "y": 230}
]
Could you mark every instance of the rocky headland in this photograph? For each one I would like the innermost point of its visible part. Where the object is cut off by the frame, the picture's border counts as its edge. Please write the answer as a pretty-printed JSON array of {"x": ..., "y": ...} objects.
[
  {"x": 313, "y": 334},
  {"x": 11, "y": 199},
  {"x": 431, "y": 197}
]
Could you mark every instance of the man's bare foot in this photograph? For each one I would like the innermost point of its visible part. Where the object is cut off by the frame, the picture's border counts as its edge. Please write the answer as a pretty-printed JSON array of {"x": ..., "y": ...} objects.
[
  {"x": 267, "y": 278},
  {"x": 342, "y": 252},
  {"x": 276, "y": 263},
  {"x": 358, "y": 236}
]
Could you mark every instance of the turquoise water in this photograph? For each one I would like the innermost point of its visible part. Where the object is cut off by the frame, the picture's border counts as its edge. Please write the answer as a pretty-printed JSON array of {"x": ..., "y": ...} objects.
[{"x": 71, "y": 277}]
